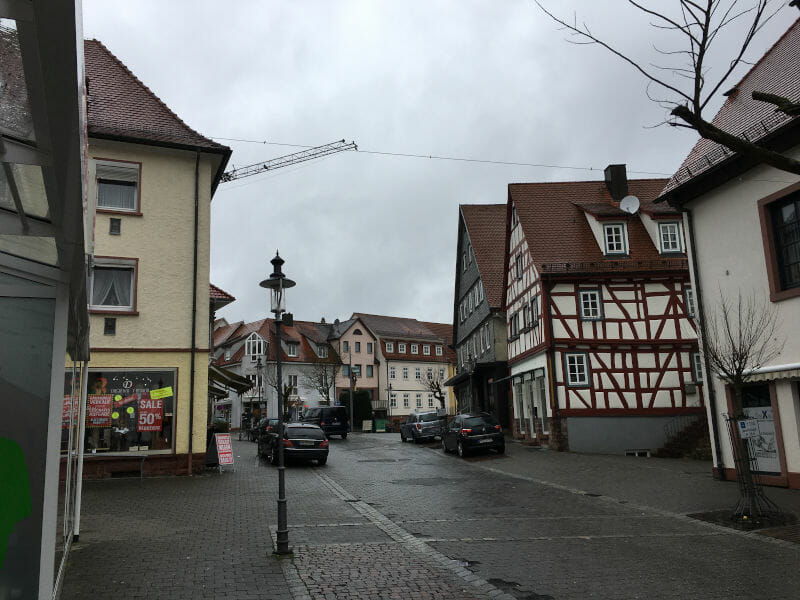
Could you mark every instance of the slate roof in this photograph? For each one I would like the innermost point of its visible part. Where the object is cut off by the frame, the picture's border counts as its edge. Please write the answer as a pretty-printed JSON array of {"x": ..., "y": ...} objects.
[
  {"x": 778, "y": 72},
  {"x": 119, "y": 104},
  {"x": 486, "y": 226},
  {"x": 560, "y": 239}
]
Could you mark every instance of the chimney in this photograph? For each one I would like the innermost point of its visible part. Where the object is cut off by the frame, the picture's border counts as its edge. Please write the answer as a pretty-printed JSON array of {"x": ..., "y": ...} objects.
[
  {"x": 322, "y": 320},
  {"x": 616, "y": 181}
]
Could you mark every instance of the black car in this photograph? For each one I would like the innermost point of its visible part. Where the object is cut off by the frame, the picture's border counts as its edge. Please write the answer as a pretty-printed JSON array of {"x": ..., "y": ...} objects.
[
  {"x": 301, "y": 441},
  {"x": 263, "y": 426},
  {"x": 468, "y": 432},
  {"x": 333, "y": 420}
]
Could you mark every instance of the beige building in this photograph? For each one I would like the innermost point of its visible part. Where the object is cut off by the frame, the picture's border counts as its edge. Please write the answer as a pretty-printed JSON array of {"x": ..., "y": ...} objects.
[{"x": 150, "y": 183}]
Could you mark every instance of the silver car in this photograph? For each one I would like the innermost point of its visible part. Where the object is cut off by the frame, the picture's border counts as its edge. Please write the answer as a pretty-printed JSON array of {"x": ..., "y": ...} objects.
[{"x": 421, "y": 426}]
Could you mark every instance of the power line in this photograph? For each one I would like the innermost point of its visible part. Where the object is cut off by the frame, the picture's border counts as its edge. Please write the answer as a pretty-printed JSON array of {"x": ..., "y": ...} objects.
[{"x": 451, "y": 158}]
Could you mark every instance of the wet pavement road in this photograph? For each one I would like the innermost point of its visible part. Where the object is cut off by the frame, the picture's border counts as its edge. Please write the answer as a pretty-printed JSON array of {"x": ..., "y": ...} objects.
[{"x": 386, "y": 520}]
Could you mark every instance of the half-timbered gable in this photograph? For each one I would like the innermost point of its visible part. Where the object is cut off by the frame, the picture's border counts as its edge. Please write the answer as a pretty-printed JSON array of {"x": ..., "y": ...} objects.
[{"x": 598, "y": 306}]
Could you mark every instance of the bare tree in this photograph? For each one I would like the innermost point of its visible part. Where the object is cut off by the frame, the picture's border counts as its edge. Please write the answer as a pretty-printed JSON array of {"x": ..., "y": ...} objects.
[
  {"x": 271, "y": 379},
  {"x": 433, "y": 382},
  {"x": 685, "y": 81},
  {"x": 321, "y": 376}
]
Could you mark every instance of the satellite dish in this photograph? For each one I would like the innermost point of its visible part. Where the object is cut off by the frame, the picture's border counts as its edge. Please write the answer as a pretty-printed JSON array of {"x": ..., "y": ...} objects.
[{"x": 630, "y": 204}]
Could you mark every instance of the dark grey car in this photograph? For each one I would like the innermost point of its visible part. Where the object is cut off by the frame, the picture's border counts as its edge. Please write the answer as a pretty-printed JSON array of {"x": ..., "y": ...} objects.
[
  {"x": 470, "y": 432},
  {"x": 421, "y": 426}
]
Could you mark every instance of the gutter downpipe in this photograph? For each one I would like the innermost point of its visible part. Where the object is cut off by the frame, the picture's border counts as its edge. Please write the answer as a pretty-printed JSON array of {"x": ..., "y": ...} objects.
[
  {"x": 555, "y": 426},
  {"x": 194, "y": 305},
  {"x": 712, "y": 396}
]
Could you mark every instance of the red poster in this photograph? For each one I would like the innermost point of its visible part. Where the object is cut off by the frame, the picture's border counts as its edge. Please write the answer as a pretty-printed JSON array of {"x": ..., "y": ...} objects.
[
  {"x": 150, "y": 414},
  {"x": 70, "y": 405},
  {"x": 224, "y": 448},
  {"x": 98, "y": 411}
]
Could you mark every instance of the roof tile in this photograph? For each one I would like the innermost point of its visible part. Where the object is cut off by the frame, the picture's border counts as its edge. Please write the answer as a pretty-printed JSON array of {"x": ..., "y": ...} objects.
[{"x": 486, "y": 226}]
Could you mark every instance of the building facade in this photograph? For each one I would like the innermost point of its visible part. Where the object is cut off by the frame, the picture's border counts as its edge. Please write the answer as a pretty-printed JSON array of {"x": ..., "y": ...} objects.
[
  {"x": 480, "y": 382},
  {"x": 601, "y": 337},
  {"x": 743, "y": 219}
]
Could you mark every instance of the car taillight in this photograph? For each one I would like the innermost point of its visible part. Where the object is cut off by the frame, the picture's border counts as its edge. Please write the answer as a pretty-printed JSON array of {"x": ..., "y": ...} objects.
[
  {"x": 419, "y": 426},
  {"x": 288, "y": 444},
  {"x": 323, "y": 444},
  {"x": 322, "y": 423},
  {"x": 466, "y": 431},
  {"x": 497, "y": 428}
]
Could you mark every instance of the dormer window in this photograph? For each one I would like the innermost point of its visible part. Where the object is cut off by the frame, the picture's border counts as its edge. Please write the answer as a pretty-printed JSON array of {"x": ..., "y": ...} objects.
[
  {"x": 401, "y": 348},
  {"x": 322, "y": 351},
  {"x": 615, "y": 237},
  {"x": 291, "y": 349},
  {"x": 254, "y": 346},
  {"x": 670, "y": 236},
  {"x": 389, "y": 346}
]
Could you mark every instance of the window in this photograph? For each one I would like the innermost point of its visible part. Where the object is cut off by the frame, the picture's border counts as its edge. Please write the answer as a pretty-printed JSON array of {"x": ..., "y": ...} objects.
[
  {"x": 697, "y": 367},
  {"x": 345, "y": 370},
  {"x": 470, "y": 303},
  {"x": 688, "y": 295},
  {"x": 514, "y": 218},
  {"x": 358, "y": 346},
  {"x": 390, "y": 346},
  {"x": 614, "y": 235},
  {"x": 590, "y": 305},
  {"x": 345, "y": 346},
  {"x": 401, "y": 348},
  {"x": 577, "y": 369},
  {"x": 417, "y": 374},
  {"x": 112, "y": 285},
  {"x": 488, "y": 339},
  {"x": 114, "y": 226},
  {"x": 426, "y": 350},
  {"x": 322, "y": 352},
  {"x": 393, "y": 400},
  {"x": 480, "y": 291},
  {"x": 227, "y": 354},
  {"x": 535, "y": 311},
  {"x": 117, "y": 186},
  {"x": 357, "y": 370},
  {"x": 369, "y": 347},
  {"x": 418, "y": 399},
  {"x": 441, "y": 374},
  {"x": 439, "y": 351},
  {"x": 370, "y": 370},
  {"x": 526, "y": 316},
  {"x": 254, "y": 346},
  {"x": 430, "y": 400},
  {"x": 670, "y": 236},
  {"x": 464, "y": 260},
  {"x": 291, "y": 349},
  {"x": 430, "y": 374},
  {"x": 405, "y": 372},
  {"x": 786, "y": 229},
  {"x": 292, "y": 381},
  {"x": 110, "y": 326},
  {"x": 514, "y": 325},
  {"x": 392, "y": 373},
  {"x": 405, "y": 400},
  {"x": 414, "y": 348},
  {"x": 518, "y": 267}
]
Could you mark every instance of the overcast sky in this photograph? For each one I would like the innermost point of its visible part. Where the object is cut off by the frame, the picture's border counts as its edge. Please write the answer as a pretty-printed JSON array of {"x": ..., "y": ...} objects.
[{"x": 492, "y": 80}]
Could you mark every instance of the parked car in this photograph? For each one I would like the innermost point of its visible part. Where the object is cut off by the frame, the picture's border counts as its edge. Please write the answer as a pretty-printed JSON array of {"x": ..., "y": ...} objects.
[
  {"x": 333, "y": 420},
  {"x": 421, "y": 426},
  {"x": 473, "y": 431},
  {"x": 301, "y": 441},
  {"x": 264, "y": 425}
]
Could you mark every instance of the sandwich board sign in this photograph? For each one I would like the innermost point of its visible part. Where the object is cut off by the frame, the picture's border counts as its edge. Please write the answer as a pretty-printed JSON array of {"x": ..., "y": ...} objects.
[{"x": 224, "y": 449}]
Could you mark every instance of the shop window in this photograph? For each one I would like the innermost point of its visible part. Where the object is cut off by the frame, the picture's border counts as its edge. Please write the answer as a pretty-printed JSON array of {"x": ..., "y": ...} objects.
[
  {"x": 130, "y": 411},
  {"x": 117, "y": 186}
]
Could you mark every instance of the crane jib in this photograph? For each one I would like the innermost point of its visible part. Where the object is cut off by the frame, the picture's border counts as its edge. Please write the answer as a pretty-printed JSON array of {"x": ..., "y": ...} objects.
[{"x": 287, "y": 160}]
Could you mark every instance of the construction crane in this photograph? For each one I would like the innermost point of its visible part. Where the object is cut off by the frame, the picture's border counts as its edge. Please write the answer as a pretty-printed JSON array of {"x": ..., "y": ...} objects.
[{"x": 289, "y": 159}]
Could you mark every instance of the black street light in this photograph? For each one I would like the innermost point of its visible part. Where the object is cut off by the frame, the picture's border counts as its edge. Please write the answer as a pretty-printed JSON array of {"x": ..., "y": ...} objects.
[
  {"x": 277, "y": 284},
  {"x": 389, "y": 402}
]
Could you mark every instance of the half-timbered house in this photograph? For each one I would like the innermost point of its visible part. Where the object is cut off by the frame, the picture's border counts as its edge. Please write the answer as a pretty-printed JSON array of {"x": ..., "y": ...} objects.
[{"x": 602, "y": 345}]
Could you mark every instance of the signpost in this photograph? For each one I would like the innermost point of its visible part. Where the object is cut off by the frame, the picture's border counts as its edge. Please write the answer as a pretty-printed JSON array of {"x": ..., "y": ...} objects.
[{"x": 224, "y": 449}]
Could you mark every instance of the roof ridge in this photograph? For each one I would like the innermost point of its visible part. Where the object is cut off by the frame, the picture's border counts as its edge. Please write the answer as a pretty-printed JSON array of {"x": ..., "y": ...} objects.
[
  {"x": 766, "y": 53},
  {"x": 584, "y": 181},
  {"x": 148, "y": 90}
]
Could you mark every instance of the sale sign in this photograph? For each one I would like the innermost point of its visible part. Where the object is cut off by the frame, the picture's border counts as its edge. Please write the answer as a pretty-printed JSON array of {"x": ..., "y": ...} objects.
[
  {"x": 98, "y": 410},
  {"x": 70, "y": 411},
  {"x": 224, "y": 448},
  {"x": 151, "y": 412}
]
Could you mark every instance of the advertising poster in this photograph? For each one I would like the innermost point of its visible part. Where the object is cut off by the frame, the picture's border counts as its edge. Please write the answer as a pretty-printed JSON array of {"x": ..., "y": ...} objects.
[
  {"x": 764, "y": 445},
  {"x": 224, "y": 448},
  {"x": 150, "y": 414},
  {"x": 98, "y": 410},
  {"x": 70, "y": 411}
]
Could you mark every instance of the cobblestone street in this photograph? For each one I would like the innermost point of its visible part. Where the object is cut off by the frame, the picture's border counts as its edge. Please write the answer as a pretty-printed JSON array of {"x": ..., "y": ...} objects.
[{"x": 388, "y": 520}]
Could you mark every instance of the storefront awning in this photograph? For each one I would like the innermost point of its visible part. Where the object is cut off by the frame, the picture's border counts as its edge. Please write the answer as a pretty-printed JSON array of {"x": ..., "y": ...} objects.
[
  {"x": 457, "y": 379},
  {"x": 790, "y": 371},
  {"x": 219, "y": 378}
]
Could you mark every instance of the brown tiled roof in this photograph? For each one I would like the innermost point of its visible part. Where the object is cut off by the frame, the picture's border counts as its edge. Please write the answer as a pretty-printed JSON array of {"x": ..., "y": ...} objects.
[
  {"x": 121, "y": 106},
  {"x": 778, "y": 72},
  {"x": 444, "y": 331},
  {"x": 219, "y": 294},
  {"x": 221, "y": 334},
  {"x": 396, "y": 327},
  {"x": 558, "y": 235},
  {"x": 486, "y": 226}
]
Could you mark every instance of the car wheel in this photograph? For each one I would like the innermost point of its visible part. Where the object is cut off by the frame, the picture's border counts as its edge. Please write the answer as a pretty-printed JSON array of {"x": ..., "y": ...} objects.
[
  {"x": 501, "y": 449},
  {"x": 344, "y": 436},
  {"x": 321, "y": 461},
  {"x": 461, "y": 452},
  {"x": 403, "y": 437}
]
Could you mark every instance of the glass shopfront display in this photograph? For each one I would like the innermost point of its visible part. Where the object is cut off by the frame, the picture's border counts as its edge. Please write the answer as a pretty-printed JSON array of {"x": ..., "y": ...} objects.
[{"x": 130, "y": 410}]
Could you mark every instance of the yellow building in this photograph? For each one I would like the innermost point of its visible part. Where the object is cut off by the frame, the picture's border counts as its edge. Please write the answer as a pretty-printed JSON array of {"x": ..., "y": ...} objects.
[{"x": 150, "y": 183}]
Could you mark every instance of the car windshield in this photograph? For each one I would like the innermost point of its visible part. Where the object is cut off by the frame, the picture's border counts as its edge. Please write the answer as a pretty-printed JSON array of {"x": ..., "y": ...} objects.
[
  {"x": 427, "y": 417},
  {"x": 477, "y": 421},
  {"x": 304, "y": 433}
]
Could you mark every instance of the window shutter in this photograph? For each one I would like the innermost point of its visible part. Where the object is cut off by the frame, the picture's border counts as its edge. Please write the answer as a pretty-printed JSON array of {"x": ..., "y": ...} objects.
[{"x": 118, "y": 172}]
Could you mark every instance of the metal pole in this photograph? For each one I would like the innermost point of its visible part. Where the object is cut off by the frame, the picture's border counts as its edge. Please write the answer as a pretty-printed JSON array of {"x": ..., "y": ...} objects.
[
  {"x": 350, "y": 377},
  {"x": 282, "y": 546}
]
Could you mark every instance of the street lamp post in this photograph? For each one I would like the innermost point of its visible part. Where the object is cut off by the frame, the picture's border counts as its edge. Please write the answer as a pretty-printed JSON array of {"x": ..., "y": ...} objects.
[
  {"x": 277, "y": 284},
  {"x": 389, "y": 402}
]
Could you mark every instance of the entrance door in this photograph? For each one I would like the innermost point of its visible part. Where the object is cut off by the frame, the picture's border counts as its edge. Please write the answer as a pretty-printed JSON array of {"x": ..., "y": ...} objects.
[{"x": 757, "y": 404}]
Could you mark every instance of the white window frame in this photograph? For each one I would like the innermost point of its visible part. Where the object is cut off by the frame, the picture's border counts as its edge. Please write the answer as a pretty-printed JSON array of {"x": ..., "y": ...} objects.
[
  {"x": 417, "y": 373},
  {"x": 392, "y": 372},
  {"x": 405, "y": 401},
  {"x": 674, "y": 246},
  {"x": 576, "y": 369},
  {"x": 322, "y": 352},
  {"x": 430, "y": 401},
  {"x": 488, "y": 337},
  {"x": 514, "y": 217},
  {"x": 594, "y": 314},
  {"x": 405, "y": 372},
  {"x": 127, "y": 264},
  {"x": 535, "y": 311},
  {"x": 518, "y": 266},
  {"x": 414, "y": 348},
  {"x": 441, "y": 374},
  {"x": 255, "y": 345},
  {"x": 389, "y": 346},
  {"x": 439, "y": 351},
  {"x": 697, "y": 367},
  {"x": 426, "y": 349},
  {"x": 401, "y": 348},
  {"x": 689, "y": 303},
  {"x": 418, "y": 400},
  {"x": 292, "y": 349},
  {"x": 614, "y": 231},
  {"x": 393, "y": 400},
  {"x": 429, "y": 373},
  {"x": 127, "y": 173}
]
